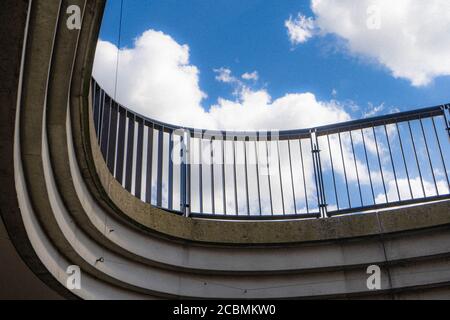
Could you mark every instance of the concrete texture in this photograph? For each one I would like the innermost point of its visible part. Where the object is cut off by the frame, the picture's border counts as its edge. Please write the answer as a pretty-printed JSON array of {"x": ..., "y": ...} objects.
[
  {"x": 16, "y": 279},
  {"x": 13, "y": 17},
  {"x": 73, "y": 212}
]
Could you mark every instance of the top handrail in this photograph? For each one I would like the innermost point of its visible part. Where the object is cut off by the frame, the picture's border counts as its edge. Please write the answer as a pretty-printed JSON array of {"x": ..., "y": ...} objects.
[{"x": 289, "y": 134}]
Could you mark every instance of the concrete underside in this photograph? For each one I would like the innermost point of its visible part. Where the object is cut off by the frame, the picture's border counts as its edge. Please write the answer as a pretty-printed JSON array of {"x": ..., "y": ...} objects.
[{"x": 62, "y": 207}]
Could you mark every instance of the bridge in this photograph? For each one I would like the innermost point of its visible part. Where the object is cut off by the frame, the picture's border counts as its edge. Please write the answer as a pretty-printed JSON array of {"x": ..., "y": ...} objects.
[{"x": 149, "y": 210}]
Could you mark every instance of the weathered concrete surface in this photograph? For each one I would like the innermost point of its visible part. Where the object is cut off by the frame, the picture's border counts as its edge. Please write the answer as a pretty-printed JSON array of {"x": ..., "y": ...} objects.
[
  {"x": 33, "y": 96},
  {"x": 51, "y": 46},
  {"x": 17, "y": 281},
  {"x": 13, "y": 18}
]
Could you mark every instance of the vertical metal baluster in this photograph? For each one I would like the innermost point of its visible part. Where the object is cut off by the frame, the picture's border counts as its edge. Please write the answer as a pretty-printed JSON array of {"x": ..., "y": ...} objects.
[
  {"x": 99, "y": 102},
  {"x": 93, "y": 94},
  {"x": 304, "y": 177},
  {"x": 139, "y": 155},
  {"x": 121, "y": 145},
  {"x": 183, "y": 159},
  {"x": 184, "y": 155},
  {"x": 159, "y": 184},
  {"x": 257, "y": 175},
  {"x": 393, "y": 165},
  {"x": 429, "y": 156},
  {"x": 440, "y": 151},
  {"x": 333, "y": 173},
  {"x": 316, "y": 179},
  {"x": 182, "y": 180},
  {"x": 116, "y": 147},
  {"x": 108, "y": 132},
  {"x": 404, "y": 160},
  {"x": 292, "y": 176},
  {"x": 268, "y": 175},
  {"x": 321, "y": 181},
  {"x": 129, "y": 152},
  {"x": 188, "y": 173},
  {"x": 105, "y": 129},
  {"x": 381, "y": 166},
  {"x": 417, "y": 159},
  {"x": 246, "y": 177},
  {"x": 213, "y": 204},
  {"x": 368, "y": 166},
  {"x": 200, "y": 172},
  {"x": 224, "y": 192},
  {"x": 92, "y": 98},
  {"x": 447, "y": 121},
  {"x": 356, "y": 167},
  {"x": 235, "y": 177},
  {"x": 345, "y": 171},
  {"x": 112, "y": 143},
  {"x": 97, "y": 94},
  {"x": 100, "y": 118},
  {"x": 170, "y": 178},
  {"x": 313, "y": 154},
  {"x": 149, "y": 173},
  {"x": 281, "y": 179}
]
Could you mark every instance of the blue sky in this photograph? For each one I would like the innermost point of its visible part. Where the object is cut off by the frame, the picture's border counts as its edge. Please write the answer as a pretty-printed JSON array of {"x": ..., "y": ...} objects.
[{"x": 250, "y": 35}]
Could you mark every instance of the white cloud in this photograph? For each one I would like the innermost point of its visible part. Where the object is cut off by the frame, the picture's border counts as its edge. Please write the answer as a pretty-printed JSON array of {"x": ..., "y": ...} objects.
[
  {"x": 415, "y": 186},
  {"x": 251, "y": 76},
  {"x": 373, "y": 110},
  {"x": 409, "y": 40},
  {"x": 157, "y": 80},
  {"x": 224, "y": 75},
  {"x": 300, "y": 29},
  {"x": 256, "y": 110},
  {"x": 412, "y": 41}
]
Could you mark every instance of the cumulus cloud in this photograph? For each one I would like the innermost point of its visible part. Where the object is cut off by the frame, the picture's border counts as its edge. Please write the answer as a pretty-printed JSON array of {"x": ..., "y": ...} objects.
[
  {"x": 156, "y": 79},
  {"x": 411, "y": 38},
  {"x": 300, "y": 29},
  {"x": 257, "y": 110}
]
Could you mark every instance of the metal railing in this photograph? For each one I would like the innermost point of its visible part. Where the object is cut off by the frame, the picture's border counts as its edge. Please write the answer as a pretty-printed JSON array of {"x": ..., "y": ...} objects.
[{"x": 354, "y": 167}]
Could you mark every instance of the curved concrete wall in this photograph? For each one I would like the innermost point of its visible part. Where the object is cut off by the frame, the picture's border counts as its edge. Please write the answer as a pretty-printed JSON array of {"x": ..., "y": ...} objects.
[{"x": 72, "y": 211}]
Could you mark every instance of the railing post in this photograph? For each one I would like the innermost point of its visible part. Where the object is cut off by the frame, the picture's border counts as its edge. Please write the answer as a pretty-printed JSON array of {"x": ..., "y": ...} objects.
[
  {"x": 159, "y": 177},
  {"x": 445, "y": 110},
  {"x": 318, "y": 175},
  {"x": 183, "y": 174},
  {"x": 185, "y": 178},
  {"x": 171, "y": 165}
]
